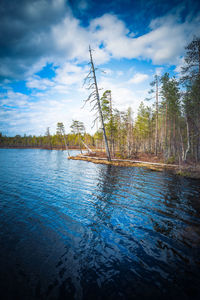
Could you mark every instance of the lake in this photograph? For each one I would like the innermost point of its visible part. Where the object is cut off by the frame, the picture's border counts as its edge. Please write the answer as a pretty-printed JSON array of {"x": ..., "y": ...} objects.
[{"x": 77, "y": 230}]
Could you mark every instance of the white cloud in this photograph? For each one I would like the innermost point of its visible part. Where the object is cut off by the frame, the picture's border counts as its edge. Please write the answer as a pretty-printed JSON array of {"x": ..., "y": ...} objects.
[
  {"x": 164, "y": 42},
  {"x": 138, "y": 78},
  {"x": 67, "y": 78},
  {"x": 123, "y": 95},
  {"x": 11, "y": 99},
  {"x": 179, "y": 65},
  {"x": 159, "y": 71},
  {"x": 70, "y": 74},
  {"x": 36, "y": 82}
]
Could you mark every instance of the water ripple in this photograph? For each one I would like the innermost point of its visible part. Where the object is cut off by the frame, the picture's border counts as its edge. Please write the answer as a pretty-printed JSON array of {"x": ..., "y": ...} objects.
[{"x": 74, "y": 230}]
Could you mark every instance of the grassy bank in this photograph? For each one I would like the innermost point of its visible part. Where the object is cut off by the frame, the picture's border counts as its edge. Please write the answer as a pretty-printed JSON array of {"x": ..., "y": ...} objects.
[{"x": 181, "y": 170}]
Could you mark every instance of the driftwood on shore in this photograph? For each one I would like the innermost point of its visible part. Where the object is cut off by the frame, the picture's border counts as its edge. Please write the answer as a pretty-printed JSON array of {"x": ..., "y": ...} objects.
[
  {"x": 185, "y": 171},
  {"x": 123, "y": 162},
  {"x": 133, "y": 161}
]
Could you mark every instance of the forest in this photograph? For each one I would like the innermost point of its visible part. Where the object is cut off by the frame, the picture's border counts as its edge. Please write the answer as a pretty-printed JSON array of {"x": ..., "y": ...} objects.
[{"x": 169, "y": 128}]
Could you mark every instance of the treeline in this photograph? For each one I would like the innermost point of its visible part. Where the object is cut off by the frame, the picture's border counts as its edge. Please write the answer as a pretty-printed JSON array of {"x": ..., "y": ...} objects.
[
  {"x": 53, "y": 142},
  {"x": 170, "y": 128},
  {"x": 60, "y": 140}
]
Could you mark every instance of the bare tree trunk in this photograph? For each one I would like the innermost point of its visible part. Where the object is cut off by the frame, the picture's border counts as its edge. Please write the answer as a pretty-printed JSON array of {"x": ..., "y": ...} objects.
[
  {"x": 99, "y": 107},
  {"x": 156, "y": 133},
  {"x": 86, "y": 146},
  {"x": 64, "y": 138},
  {"x": 111, "y": 132},
  {"x": 174, "y": 136},
  {"x": 182, "y": 144},
  {"x": 188, "y": 140},
  {"x": 166, "y": 149}
]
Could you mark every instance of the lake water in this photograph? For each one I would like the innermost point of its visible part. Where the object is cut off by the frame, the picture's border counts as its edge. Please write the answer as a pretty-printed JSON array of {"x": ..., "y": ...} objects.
[{"x": 78, "y": 230}]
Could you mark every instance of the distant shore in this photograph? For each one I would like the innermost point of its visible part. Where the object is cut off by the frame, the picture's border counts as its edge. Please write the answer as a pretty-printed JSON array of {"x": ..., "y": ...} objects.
[{"x": 41, "y": 147}]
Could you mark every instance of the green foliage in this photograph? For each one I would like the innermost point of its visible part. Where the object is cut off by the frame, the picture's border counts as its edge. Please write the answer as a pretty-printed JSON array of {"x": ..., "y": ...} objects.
[
  {"x": 106, "y": 105},
  {"x": 77, "y": 127},
  {"x": 142, "y": 128},
  {"x": 170, "y": 93},
  {"x": 191, "y": 68},
  {"x": 191, "y": 98}
]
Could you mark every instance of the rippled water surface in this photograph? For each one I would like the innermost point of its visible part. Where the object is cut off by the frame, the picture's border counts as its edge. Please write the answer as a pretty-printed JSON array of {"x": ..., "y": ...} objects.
[{"x": 77, "y": 230}]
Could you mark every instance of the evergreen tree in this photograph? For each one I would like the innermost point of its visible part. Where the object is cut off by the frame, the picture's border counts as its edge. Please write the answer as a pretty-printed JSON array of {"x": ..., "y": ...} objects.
[{"x": 191, "y": 99}]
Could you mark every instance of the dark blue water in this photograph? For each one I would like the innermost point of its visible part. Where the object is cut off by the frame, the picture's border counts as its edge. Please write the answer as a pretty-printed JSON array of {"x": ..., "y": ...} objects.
[{"x": 78, "y": 230}]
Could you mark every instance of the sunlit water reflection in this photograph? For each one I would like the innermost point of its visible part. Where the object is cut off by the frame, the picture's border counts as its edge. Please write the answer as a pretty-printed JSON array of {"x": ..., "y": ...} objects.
[{"x": 77, "y": 230}]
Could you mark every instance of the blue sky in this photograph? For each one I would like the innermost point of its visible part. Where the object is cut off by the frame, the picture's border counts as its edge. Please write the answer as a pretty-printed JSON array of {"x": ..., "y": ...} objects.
[{"x": 44, "y": 56}]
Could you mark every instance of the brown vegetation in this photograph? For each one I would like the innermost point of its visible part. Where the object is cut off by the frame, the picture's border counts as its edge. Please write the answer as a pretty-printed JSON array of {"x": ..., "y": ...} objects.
[{"x": 143, "y": 160}]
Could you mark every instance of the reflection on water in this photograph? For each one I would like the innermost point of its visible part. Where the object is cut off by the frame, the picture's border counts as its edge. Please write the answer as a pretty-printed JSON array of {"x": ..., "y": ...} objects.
[{"x": 76, "y": 230}]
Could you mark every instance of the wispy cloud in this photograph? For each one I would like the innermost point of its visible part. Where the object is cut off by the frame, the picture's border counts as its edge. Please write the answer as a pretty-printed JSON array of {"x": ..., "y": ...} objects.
[{"x": 138, "y": 78}]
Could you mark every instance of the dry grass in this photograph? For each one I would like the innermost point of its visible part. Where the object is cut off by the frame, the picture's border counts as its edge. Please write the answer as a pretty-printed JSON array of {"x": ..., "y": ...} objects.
[
  {"x": 117, "y": 163},
  {"x": 150, "y": 157},
  {"x": 185, "y": 171}
]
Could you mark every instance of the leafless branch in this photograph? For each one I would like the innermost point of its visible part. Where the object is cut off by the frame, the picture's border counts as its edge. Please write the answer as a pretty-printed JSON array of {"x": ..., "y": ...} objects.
[{"x": 94, "y": 122}]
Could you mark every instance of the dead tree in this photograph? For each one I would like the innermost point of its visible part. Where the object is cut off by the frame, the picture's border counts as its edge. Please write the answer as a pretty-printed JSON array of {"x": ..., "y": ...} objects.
[
  {"x": 94, "y": 98},
  {"x": 64, "y": 138},
  {"x": 155, "y": 91},
  {"x": 156, "y": 133},
  {"x": 86, "y": 146}
]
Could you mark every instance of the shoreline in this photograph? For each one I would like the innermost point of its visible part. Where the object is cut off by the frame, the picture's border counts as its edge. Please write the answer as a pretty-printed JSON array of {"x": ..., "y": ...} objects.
[
  {"x": 188, "y": 171},
  {"x": 42, "y": 148},
  {"x": 184, "y": 171}
]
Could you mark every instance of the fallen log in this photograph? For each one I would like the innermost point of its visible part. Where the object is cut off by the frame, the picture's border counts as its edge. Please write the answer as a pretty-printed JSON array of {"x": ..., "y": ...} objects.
[{"x": 133, "y": 161}]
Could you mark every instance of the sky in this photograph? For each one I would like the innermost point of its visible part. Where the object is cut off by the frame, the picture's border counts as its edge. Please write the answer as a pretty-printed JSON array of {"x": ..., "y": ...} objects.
[{"x": 44, "y": 56}]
